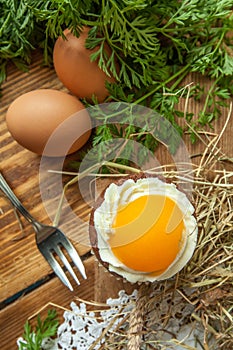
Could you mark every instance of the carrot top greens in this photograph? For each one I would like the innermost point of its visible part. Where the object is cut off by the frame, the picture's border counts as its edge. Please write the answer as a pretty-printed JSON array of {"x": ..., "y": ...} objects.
[{"x": 157, "y": 44}]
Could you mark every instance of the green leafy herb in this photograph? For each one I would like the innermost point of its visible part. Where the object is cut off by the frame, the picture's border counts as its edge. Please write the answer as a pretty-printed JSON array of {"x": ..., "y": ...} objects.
[
  {"x": 33, "y": 338},
  {"x": 155, "y": 45}
]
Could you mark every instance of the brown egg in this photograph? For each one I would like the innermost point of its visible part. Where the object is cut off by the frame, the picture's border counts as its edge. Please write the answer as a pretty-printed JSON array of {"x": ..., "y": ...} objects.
[
  {"x": 76, "y": 71},
  {"x": 49, "y": 122}
]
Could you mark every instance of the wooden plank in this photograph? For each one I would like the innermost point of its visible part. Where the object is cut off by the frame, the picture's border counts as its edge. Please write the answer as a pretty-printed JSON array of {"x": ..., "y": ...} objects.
[
  {"x": 13, "y": 317},
  {"x": 21, "y": 264}
]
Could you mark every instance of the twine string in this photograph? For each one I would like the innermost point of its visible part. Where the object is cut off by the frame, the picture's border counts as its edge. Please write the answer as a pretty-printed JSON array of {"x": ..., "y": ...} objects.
[{"x": 137, "y": 318}]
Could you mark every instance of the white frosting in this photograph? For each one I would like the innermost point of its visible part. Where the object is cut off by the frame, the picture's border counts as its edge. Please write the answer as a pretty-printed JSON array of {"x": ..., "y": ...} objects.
[{"x": 118, "y": 195}]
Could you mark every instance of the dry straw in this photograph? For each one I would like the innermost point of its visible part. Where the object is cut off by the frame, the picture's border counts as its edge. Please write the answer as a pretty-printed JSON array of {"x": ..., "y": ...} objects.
[
  {"x": 208, "y": 277},
  {"x": 206, "y": 283}
]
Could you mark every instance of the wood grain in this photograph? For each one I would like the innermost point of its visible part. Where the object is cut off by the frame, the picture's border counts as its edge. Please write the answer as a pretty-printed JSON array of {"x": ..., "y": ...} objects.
[
  {"x": 14, "y": 316},
  {"x": 21, "y": 265}
]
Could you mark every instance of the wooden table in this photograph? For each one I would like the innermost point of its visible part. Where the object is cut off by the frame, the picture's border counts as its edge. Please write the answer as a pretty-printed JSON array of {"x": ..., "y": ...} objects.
[{"x": 27, "y": 283}]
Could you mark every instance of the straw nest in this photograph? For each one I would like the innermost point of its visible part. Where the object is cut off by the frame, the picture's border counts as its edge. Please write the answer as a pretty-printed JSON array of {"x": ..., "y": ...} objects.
[{"x": 201, "y": 295}]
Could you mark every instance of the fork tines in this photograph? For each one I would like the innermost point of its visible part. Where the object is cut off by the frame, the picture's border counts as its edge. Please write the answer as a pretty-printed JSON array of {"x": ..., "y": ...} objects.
[{"x": 57, "y": 250}]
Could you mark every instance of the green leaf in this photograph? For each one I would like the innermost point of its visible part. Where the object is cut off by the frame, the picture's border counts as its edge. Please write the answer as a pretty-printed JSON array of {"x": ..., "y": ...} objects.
[
  {"x": 33, "y": 338},
  {"x": 228, "y": 64}
]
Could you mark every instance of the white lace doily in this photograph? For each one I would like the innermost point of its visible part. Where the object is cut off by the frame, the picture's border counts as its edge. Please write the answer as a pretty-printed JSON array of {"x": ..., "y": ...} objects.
[{"x": 83, "y": 329}]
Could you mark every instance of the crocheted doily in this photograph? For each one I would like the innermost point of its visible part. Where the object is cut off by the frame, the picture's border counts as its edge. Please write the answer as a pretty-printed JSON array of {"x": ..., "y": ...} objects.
[{"x": 145, "y": 319}]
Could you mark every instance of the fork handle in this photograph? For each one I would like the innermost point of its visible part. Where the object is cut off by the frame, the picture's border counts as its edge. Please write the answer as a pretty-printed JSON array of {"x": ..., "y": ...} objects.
[{"x": 14, "y": 200}]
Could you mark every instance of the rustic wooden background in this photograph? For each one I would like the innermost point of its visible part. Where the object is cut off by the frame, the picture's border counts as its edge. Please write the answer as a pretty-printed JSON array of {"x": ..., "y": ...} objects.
[{"x": 26, "y": 281}]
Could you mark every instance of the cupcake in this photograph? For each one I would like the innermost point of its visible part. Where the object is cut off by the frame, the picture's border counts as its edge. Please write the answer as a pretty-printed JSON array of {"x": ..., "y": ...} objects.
[{"x": 143, "y": 228}]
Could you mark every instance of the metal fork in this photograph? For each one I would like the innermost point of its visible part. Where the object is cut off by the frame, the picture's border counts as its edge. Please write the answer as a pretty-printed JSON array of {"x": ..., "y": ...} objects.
[{"x": 50, "y": 241}]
